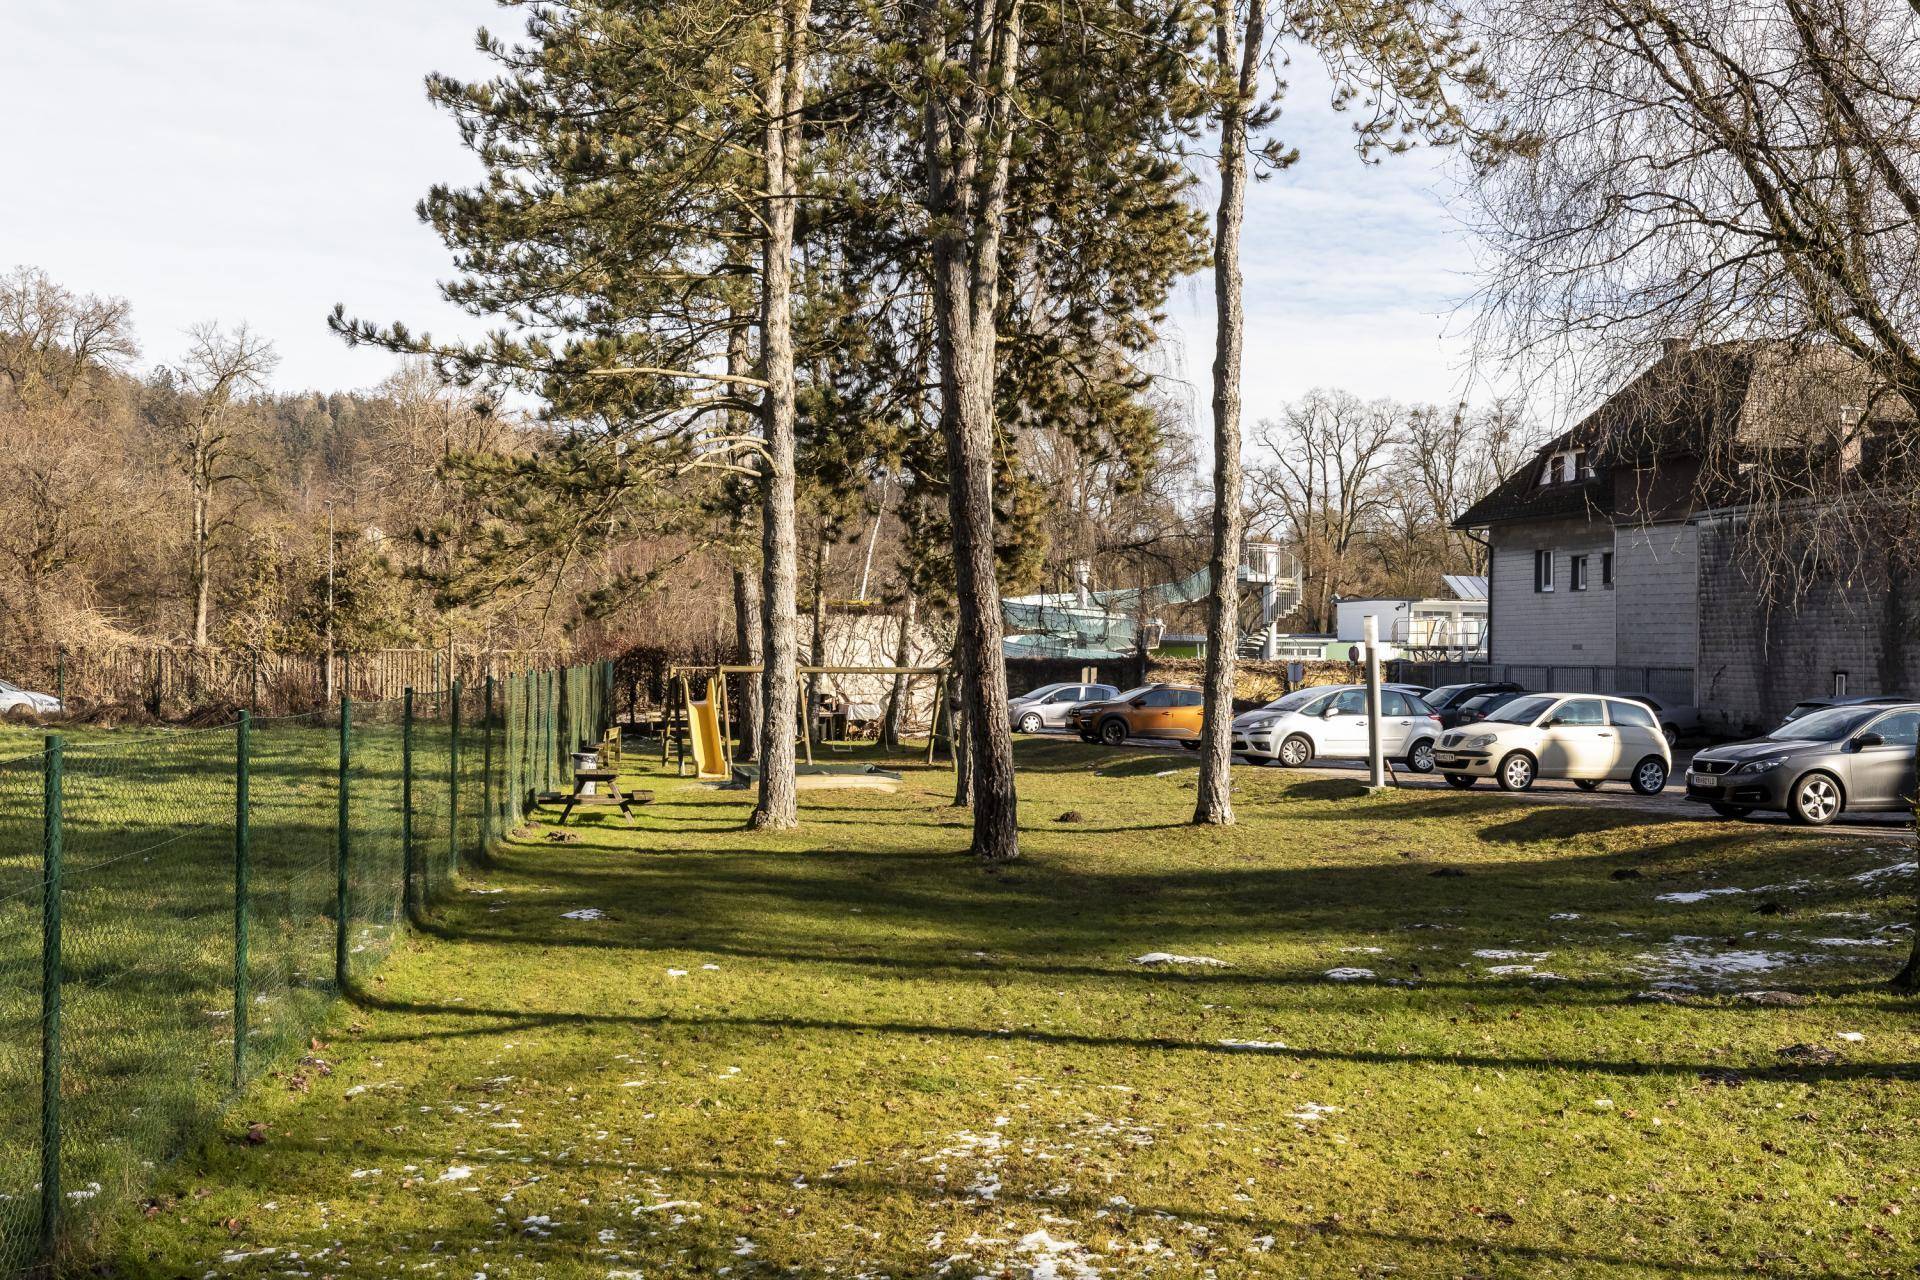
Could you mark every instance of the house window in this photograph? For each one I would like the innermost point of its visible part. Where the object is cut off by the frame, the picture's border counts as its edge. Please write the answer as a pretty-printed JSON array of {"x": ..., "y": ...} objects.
[
  {"x": 1839, "y": 684},
  {"x": 1577, "y": 573},
  {"x": 1543, "y": 571},
  {"x": 1606, "y": 570},
  {"x": 1582, "y": 468}
]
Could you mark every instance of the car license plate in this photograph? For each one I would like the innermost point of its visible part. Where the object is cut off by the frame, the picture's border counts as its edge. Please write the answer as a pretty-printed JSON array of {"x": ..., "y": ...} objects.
[{"x": 1704, "y": 781}]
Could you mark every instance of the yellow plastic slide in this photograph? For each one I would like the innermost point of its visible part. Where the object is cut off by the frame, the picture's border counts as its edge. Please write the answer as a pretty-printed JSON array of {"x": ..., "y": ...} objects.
[{"x": 703, "y": 723}]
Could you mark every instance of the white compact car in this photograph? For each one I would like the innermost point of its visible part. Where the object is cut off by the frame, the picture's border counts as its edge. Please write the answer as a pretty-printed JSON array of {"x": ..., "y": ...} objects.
[
  {"x": 13, "y": 697},
  {"x": 1331, "y": 721},
  {"x": 1590, "y": 738},
  {"x": 1047, "y": 706}
]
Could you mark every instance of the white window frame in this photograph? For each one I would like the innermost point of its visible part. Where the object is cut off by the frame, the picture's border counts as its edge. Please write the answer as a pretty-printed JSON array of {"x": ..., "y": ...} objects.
[
  {"x": 1543, "y": 571},
  {"x": 1577, "y": 573}
]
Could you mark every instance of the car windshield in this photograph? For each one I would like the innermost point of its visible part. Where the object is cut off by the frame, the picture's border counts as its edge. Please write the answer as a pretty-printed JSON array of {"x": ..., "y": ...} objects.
[
  {"x": 1131, "y": 693},
  {"x": 1043, "y": 691},
  {"x": 1295, "y": 700},
  {"x": 1445, "y": 694},
  {"x": 1829, "y": 725},
  {"x": 8, "y": 686},
  {"x": 1522, "y": 710}
]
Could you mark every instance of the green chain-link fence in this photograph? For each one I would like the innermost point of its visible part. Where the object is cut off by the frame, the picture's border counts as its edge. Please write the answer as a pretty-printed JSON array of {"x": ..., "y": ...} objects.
[{"x": 178, "y": 909}]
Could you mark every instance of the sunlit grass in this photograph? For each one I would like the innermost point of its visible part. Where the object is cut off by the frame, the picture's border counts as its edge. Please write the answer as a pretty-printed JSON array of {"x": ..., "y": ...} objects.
[{"x": 679, "y": 1049}]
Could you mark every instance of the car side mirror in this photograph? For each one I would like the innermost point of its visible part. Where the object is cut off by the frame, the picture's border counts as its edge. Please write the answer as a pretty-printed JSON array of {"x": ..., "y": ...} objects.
[
  {"x": 1868, "y": 740},
  {"x": 1330, "y": 713},
  {"x": 1138, "y": 702}
]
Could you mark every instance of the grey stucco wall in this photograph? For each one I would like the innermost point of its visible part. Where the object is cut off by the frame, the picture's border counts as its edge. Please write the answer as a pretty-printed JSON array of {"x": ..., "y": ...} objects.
[
  {"x": 1656, "y": 611},
  {"x": 1561, "y": 626}
]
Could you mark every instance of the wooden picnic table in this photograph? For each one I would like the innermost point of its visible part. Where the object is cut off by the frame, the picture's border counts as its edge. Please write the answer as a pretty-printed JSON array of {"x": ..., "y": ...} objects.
[{"x": 584, "y": 778}]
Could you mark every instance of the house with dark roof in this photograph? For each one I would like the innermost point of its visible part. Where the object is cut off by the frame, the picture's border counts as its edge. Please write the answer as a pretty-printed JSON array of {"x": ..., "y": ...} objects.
[{"x": 1614, "y": 557}]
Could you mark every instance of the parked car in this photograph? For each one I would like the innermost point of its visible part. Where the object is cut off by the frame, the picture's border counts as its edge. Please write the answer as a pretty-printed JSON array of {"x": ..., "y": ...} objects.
[
  {"x": 1814, "y": 768},
  {"x": 1047, "y": 706},
  {"x": 1331, "y": 721},
  {"x": 1808, "y": 706},
  {"x": 1417, "y": 690},
  {"x": 14, "y": 698},
  {"x": 1478, "y": 708},
  {"x": 1589, "y": 737},
  {"x": 1150, "y": 711},
  {"x": 1450, "y": 699},
  {"x": 1674, "y": 719}
]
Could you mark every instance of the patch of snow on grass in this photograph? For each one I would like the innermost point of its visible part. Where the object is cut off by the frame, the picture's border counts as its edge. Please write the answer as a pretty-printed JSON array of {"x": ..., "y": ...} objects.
[
  {"x": 1350, "y": 973},
  {"x": 1312, "y": 1112},
  {"x": 458, "y": 1173},
  {"x": 1254, "y": 1046},
  {"x": 1696, "y": 895},
  {"x": 1851, "y": 1037},
  {"x": 1169, "y": 957},
  {"x": 1055, "y": 1259},
  {"x": 584, "y": 913},
  {"x": 1680, "y": 961},
  {"x": 1851, "y": 942},
  {"x": 1509, "y": 970},
  {"x": 1501, "y": 953}
]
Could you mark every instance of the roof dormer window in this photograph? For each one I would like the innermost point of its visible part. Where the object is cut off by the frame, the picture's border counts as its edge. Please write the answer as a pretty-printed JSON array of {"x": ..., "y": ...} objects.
[{"x": 1566, "y": 467}]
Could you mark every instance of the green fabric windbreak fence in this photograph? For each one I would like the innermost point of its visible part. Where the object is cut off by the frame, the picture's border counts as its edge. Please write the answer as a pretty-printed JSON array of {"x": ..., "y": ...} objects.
[{"x": 178, "y": 910}]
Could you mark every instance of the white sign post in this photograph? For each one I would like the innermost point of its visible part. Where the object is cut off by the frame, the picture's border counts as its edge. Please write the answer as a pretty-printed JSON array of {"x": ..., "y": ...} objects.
[{"x": 1376, "y": 763}]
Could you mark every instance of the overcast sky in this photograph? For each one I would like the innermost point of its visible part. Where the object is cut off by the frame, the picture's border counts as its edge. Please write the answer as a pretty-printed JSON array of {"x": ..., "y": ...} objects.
[{"x": 233, "y": 159}]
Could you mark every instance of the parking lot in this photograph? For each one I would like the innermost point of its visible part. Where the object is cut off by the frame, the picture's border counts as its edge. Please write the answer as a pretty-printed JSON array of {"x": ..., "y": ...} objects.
[{"x": 1671, "y": 803}]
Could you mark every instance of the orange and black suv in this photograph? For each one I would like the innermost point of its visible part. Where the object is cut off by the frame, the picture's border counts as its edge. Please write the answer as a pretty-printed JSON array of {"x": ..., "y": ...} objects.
[{"x": 1151, "y": 711}]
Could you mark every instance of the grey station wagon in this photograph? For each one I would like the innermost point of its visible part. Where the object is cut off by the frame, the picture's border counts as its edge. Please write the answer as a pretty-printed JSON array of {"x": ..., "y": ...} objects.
[{"x": 1816, "y": 766}]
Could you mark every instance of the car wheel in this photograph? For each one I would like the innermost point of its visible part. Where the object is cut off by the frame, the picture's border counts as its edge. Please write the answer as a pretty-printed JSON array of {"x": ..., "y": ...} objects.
[
  {"x": 1650, "y": 776},
  {"x": 1726, "y": 810},
  {"x": 1461, "y": 780},
  {"x": 1587, "y": 784},
  {"x": 1113, "y": 732},
  {"x": 1030, "y": 722},
  {"x": 1815, "y": 800},
  {"x": 1673, "y": 734},
  {"x": 1516, "y": 772},
  {"x": 1295, "y": 751},
  {"x": 1420, "y": 759}
]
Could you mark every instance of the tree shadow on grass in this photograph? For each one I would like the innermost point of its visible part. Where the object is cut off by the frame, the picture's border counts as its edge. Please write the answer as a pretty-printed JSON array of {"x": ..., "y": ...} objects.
[{"x": 501, "y": 1021}]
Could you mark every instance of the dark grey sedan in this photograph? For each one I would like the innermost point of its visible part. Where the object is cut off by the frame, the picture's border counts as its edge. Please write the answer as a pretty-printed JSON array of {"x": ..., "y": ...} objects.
[{"x": 1814, "y": 768}]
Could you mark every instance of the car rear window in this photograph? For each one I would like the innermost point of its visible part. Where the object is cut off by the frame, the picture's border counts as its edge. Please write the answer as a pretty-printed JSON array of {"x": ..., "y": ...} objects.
[{"x": 1631, "y": 713}]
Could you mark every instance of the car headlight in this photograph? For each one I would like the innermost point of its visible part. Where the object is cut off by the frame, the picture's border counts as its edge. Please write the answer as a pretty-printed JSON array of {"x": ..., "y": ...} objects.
[
  {"x": 1479, "y": 740},
  {"x": 1762, "y": 765},
  {"x": 1264, "y": 722}
]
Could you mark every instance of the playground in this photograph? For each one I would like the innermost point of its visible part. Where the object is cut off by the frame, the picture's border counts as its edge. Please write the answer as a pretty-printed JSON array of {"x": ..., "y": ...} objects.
[{"x": 1405, "y": 1033}]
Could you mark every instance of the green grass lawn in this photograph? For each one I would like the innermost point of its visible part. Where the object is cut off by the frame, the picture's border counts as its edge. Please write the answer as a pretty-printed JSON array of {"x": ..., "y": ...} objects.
[{"x": 682, "y": 1049}]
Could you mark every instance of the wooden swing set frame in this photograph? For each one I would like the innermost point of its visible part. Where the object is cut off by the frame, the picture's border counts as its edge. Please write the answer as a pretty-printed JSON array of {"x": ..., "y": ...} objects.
[{"x": 680, "y": 676}]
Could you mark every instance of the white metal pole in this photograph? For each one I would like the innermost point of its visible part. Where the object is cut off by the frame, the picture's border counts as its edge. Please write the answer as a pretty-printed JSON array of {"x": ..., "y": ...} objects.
[{"x": 1376, "y": 765}]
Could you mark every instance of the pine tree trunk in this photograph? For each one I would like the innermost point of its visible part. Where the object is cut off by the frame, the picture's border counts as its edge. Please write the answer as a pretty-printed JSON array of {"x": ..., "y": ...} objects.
[
  {"x": 1214, "y": 805},
  {"x": 968, "y": 153},
  {"x": 747, "y": 639},
  {"x": 957, "y": 736},
  {"x": 893, "y": 724},
  {"x": 778, "y": 806},
  {"x": 1908, "y": 979}
]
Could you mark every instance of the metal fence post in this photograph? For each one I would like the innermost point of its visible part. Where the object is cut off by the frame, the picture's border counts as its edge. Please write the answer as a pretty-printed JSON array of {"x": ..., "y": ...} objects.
[
  {"x": 453, "y": 785},
  {"x": 342, "y": 847},
  {"x": 407, "y": 899},
  {"x": 50, "y": 978},
  {"x": 486, "y": 769},
  {"x": 242, "y": 878}
]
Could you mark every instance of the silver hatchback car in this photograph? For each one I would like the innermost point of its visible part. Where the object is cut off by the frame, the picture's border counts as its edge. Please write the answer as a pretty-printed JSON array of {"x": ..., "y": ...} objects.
[
  {"x": 1816, "y": 766},
  {"x": 1047, "y": 706}
]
